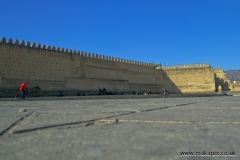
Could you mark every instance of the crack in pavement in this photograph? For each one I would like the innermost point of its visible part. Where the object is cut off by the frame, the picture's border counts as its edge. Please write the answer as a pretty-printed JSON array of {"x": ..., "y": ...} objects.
[
  {"x": 7, "y": 130},
  {"x": 88, "y": 122}
]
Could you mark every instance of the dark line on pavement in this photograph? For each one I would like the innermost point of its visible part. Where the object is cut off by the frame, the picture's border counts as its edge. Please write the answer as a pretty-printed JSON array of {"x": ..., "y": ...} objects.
[
  {"x": 14, "y": 124},
  {"x": 66, "y": 124},
  {"x": 93, "y": 120}
]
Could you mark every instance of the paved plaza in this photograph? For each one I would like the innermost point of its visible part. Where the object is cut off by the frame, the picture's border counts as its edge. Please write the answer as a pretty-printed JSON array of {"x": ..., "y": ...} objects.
[{"x": 118, "y": 129}]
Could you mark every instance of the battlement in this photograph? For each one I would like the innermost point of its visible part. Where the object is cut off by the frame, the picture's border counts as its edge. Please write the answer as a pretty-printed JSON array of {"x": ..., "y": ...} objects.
[
  {"x": 34, "y": 45},
  {"x": 219, "y": 69},
  {"x": 182, "y": 66}
]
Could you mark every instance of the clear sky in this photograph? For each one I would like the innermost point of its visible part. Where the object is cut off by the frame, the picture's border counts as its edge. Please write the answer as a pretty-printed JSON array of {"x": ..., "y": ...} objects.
[{"x": 159, "y": 31}]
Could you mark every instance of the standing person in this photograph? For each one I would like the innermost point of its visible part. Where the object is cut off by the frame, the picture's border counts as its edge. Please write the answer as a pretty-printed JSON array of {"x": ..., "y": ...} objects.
[
  {"x": 24, "y": 89},
  {"x": 164, "y": 93}
]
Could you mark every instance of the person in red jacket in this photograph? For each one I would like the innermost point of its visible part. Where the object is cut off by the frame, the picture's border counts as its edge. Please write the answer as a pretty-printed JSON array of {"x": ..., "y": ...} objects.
[{"x": 24, "y": 89}]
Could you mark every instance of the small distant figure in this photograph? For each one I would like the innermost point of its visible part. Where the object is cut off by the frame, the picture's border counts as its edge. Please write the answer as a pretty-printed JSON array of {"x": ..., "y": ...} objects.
[
  {"x": 37, "y": 87},
  {"x": 80, "y": 94},
  {"x": 60, "y": 94},
  {"x": 104, "y": 90},
  {"x": 165, "y": 93},
  {"x": 17, "y": 95},
  {"x": 224, "y": 93},
  {"x": 100, "y": 92},
  {"x": 137, "y": 93}
]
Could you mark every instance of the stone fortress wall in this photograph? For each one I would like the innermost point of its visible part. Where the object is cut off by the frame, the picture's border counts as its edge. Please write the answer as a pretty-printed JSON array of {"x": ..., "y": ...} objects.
[
  {"x": 190, "y": 78},
  {"x": 54, "y": 68}
]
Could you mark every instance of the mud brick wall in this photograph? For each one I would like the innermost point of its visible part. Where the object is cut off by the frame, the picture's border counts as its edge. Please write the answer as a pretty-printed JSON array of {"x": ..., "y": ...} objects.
[
  {"x": 56, "y": 69},
  {"x": 53, "y": 68},
  {"x": 190, "y": 79}
]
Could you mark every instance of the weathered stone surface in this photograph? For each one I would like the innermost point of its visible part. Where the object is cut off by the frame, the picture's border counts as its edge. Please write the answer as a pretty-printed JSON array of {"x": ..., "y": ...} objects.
[
  {"x": 58, "y": 71},
  {"x": 156, "y": 128}
]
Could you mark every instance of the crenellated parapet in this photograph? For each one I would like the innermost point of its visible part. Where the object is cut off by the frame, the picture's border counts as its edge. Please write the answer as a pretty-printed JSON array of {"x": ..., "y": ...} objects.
[
  {"x": 182, "y": 66},
  {"x": 73, "y": 52},
  {"x": 3, "y": 40},
  {"x": 158, "y": 66},
  {"x": 34, "y": 45}
]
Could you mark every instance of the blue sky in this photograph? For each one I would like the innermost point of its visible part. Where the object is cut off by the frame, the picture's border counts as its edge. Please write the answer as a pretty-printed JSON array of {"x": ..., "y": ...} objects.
[{"x": 159, "y": 31}]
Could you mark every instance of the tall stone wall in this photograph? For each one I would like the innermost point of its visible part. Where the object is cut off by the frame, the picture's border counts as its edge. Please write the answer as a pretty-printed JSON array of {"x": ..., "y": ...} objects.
[
  {"x": 54, "y": 68},
  {"x": 189, "y": 78}
]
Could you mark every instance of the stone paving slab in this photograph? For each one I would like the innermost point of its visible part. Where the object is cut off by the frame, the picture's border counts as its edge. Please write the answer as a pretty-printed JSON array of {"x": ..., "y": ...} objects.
[{"x": 142, "y": 128}]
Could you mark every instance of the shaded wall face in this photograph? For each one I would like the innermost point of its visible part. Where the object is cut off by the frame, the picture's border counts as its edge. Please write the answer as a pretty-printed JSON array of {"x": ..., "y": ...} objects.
[
  {"x": 169, "y": 85},
  {"x": 221, "y": 79},
  {"x": 53, "y": 70},
  {"x": 190, "y": 80}
]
